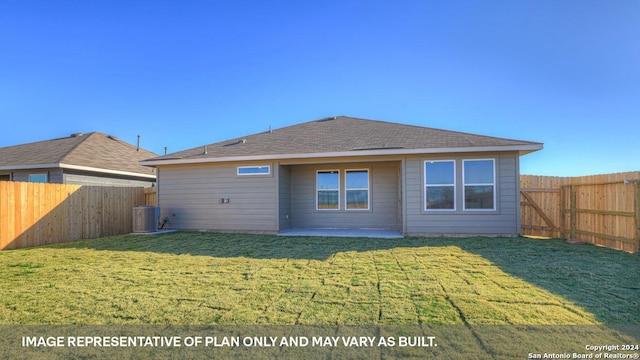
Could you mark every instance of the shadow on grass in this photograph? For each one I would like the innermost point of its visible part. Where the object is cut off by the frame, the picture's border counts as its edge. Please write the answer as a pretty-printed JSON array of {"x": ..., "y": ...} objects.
[
  {"x": 604, "y": 282},
  {"x": 255, "y": 246}
]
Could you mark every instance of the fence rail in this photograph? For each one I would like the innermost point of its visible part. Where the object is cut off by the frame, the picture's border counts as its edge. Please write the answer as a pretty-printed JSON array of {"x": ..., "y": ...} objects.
[
  {"x": 599, "y": 209},
  {"x": 34, "y": 214}
]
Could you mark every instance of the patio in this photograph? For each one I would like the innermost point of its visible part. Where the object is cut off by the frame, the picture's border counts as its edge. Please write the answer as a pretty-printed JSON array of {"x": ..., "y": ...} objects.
[{"x": 366, "y": 233}]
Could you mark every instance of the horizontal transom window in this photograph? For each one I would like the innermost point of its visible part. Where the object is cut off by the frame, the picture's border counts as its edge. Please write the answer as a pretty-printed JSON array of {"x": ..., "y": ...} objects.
[
  {"x": 254, "y": 170},
  {"x": 38, "y": 178}
]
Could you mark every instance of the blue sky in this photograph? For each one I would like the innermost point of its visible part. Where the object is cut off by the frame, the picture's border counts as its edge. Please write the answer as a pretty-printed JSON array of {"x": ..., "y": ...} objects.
[{"x": 186, "y": 73}]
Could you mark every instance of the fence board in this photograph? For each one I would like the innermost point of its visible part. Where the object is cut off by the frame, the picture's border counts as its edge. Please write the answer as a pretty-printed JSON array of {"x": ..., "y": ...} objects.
[
  {"x": 599, "y": 209},
  {"x": 34, "y": 214},
  {"x": 151, "y": 198}
]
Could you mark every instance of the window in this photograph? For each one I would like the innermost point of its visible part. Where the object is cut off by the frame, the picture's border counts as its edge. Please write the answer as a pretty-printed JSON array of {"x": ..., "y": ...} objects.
[
  {"x": 357, "y": 189},
  {"x": 328, "y": 190},
  {"x": 479, "y": 184},
  {"x": 440, "y": 185},
  {"x": 38, "y": 178},
  {"x": 254, "y": 170}
]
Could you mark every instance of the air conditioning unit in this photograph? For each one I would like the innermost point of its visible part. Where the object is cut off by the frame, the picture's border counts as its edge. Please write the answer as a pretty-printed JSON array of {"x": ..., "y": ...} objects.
[{"x": 145, "y": 219}]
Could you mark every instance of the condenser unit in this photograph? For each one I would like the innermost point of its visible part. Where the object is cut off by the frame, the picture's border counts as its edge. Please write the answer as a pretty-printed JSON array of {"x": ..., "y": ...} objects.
[{"x": 145, "y": 219}]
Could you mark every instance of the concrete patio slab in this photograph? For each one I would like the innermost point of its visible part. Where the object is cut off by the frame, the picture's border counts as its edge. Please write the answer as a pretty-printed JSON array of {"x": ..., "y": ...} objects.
[
  {"x": 154, "y": 232},
  {"x": 368, "y": 233}
]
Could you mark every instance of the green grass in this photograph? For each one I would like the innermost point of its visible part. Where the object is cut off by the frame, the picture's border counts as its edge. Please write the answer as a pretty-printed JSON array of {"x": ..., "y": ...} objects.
[{"x": 211, "y": 278}]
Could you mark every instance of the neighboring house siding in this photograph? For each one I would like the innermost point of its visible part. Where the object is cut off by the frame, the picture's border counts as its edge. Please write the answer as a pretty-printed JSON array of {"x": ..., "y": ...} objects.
[
  {"x": 54, "y": 176},
  {"x": 57, "y": 176},
  {"x": 503, "y": 221},
  {"x": 383, "y": 212},
  {"x": 86, "y": 179},
  {"x": 189, "y": 196}
]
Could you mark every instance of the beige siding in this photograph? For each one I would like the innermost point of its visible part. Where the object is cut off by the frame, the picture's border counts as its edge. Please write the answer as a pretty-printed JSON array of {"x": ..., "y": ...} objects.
[
  {"x": 190, "y": 197},
  {"x": 504, "y": 220},
  {"x": 284, "y": 195},
  {"x": 383, "y": 191}
]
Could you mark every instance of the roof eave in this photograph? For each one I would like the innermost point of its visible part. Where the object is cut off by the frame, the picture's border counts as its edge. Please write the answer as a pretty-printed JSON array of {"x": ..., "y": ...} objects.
[
  {"x": 77, "y": 167},
  {"x": 107, "y": 171},
  {"x": 521, "y": 149},
  {"x": 29, "y": 167}
]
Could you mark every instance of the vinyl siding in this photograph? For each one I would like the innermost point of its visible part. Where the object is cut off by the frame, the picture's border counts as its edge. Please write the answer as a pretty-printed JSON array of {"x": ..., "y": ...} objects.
[
  {"x": 502, "y": 221},
  {"x": 383, "y": 192},
  {"x": 58, "y": 176},
  {"x": 54, "y": 176},
  {"x": 189, "y": 196},
  {"x": 87, "y": 179},
  {"x": 284, "y": 195}
]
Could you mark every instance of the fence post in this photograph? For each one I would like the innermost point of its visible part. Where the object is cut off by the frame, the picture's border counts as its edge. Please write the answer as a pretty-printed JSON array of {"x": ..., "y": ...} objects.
[
  {"x": 572, "y": 211},
  {"x": 636, "y": 194},
  {"x": 563, "y": 215}
]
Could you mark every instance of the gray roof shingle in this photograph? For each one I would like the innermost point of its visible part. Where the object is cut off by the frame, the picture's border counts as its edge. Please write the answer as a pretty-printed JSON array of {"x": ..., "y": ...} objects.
[
  {"x": 95, "y": 150},
  {"x": 342, "y": 134}
]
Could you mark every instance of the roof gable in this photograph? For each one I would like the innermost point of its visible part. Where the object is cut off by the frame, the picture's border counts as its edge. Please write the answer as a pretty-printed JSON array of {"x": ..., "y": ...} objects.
[
  {"x": 345, "y": 135},
  {"x": 94, "y": 150}
]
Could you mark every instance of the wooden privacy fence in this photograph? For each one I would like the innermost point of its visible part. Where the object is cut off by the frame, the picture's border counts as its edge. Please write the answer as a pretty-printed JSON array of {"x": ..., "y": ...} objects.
[
  {"x": 599, "y": 209},
  {"x": 34, "y": 214},
  {"x": 150, "y": 196}
]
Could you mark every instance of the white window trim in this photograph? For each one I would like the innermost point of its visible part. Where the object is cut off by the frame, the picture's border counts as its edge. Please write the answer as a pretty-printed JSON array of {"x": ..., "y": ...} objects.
[
  {"x": 425, "y": 186},
  {"x": 46, "y": 178},
  {"x": 253, "y": 174},
  {"x": 368, "y": 188},
  {"x": 494, "y": 184},
  {"x": 318, "y": 190}
]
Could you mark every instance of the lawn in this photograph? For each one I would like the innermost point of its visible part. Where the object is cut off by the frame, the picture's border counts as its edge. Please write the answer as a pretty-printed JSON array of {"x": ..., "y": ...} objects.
[{"x": 212, "y": 278}]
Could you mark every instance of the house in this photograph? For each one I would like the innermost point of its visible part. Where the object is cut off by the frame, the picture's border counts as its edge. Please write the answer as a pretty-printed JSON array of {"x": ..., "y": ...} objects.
[
  {"x": 346, "y": 173},
  {"x": 84, "y": 159}
]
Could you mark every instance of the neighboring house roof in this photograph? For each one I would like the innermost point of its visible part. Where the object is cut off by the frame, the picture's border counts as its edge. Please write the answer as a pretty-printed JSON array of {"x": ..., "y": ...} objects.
[
  {"x": 94, "y": 151},
  {"x": 343, "y": 136}
]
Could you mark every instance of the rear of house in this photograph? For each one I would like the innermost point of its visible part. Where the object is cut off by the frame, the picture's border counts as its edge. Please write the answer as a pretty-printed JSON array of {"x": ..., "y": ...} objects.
[{"x": 346, "y": 173}]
